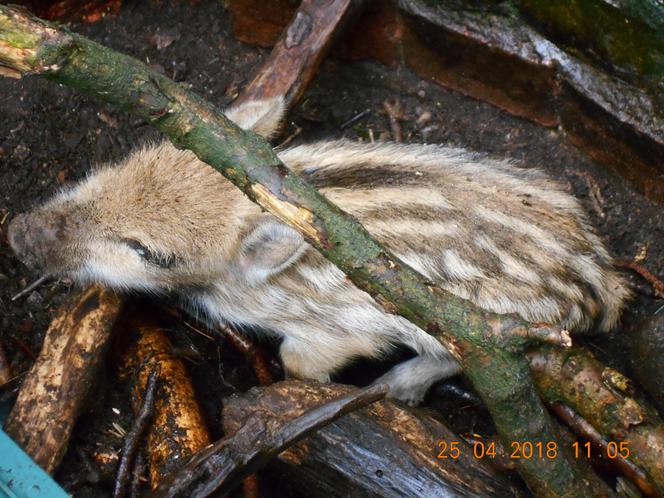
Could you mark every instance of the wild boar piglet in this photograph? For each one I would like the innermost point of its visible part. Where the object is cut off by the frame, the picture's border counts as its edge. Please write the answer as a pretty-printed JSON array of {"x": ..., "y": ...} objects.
[{"x": 507, "y": 238}]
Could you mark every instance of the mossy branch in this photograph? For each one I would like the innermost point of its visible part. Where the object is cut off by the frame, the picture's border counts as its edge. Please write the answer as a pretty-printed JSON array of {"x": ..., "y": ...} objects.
[
  {"x": 490, "y": 347},
  {"x": 606, "y": 399}
]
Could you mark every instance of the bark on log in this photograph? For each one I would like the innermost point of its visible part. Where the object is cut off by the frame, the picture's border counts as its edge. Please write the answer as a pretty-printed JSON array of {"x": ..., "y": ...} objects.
[
  {"x": 647, "y": 354},
  {"x": 628, "y": 35},
  {"x": 218, "y": 468},
  {"x": 381, "y": 450},
  {"x": 55, "y": 390},
  {"x": 490, "y": 347},
  {"x": 604, "y": 398},
  {"x": 296, "y": 56},
  {"x": 178, "y": 429}
]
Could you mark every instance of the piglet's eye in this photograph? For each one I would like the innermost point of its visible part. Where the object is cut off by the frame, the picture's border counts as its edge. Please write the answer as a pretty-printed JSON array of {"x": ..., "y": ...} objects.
[
  {"x": 139, "y": 248},
  {"x": 152, "y": 257}
]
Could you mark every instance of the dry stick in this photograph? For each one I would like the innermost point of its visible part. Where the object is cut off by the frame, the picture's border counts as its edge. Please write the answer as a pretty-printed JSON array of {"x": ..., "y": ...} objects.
[
  {"x": 221, "y": 466},
  {"x": 27, "y": 290},
  {"x": 395, "y": 115},
  {"x": 657, "y": 284},
  {"x": 489, "y": 346},
  {"x": 135, "y": 436},
  {"x": 296, "y": 56},
  {"x": 603, "y": 397},
  {"x": 582, "y": 428},
  {"x": 58, "y": 384},
  {"x": 137, "y": 475}
]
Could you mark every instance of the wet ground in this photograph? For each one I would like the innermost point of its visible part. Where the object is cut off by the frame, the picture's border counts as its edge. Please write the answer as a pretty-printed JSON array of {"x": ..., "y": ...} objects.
[{"x": 50, "y": 136}]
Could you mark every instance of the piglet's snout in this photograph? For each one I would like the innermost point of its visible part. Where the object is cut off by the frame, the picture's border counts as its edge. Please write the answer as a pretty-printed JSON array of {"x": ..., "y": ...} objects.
[{"x": 35, "y": 240}]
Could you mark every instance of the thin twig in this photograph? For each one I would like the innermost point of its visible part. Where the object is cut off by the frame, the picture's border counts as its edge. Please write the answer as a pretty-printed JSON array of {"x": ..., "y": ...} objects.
[
  {"x": 197, "y": 330},
  {"x": 355, "y": 118},
  {"x": 137, "y": 475},
  {"x": 27, "y": 290},
  {"x": 657, "y": 284},
  {"x": 394, "y": 114},
  {"x": 134, "y": 437},
  {"x": 585, "y": 430},
  {"x": 290, "y": 138}
]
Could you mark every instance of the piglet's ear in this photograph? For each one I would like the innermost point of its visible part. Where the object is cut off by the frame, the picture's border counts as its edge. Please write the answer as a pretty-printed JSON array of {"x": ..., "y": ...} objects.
[
  {"x": 260, "y": 116},
  {"x": 268, "y": 248}
]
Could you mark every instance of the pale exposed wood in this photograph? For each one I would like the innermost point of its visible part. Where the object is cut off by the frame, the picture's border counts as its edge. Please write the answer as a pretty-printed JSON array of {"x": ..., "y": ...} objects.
[
  {"x": 55, "y": 390},
  {"x": 178, "y": 430}
]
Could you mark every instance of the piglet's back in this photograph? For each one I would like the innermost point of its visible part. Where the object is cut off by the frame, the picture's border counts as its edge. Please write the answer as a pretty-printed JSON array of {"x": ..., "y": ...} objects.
[{"x": 507, "y": 238}]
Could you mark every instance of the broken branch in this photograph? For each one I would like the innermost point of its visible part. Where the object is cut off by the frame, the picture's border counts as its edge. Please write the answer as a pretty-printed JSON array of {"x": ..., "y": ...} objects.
[
  {"x": 295, "y": 58},
  {"x": 603, "y": 397},
  {"x": 582, "y": 428},
  {"x": 135, "y": 436}
]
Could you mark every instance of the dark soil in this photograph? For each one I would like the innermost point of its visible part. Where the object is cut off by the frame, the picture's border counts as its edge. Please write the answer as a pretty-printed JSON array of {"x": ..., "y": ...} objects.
[{"x": 51, "y": 135}]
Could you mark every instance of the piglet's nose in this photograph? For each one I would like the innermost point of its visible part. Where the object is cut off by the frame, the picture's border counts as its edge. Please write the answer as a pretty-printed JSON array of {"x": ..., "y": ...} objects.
[{"x": 32, "y": 239}]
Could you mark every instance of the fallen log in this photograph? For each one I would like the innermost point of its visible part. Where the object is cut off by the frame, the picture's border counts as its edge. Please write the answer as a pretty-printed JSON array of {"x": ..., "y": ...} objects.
[
  {"x": 220, "y": 467},
  {"x": 59, "y": 383},
  {"x": 178, "y": 429},
  {"x": 381, "y": 450}
]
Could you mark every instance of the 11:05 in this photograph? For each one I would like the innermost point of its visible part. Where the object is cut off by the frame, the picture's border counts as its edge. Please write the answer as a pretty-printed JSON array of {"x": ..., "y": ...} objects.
[{"x": 612, "y": 450}]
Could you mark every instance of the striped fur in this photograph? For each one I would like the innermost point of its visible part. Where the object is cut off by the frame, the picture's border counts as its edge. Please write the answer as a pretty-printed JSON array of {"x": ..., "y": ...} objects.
[{"x": 507, "y": 238}]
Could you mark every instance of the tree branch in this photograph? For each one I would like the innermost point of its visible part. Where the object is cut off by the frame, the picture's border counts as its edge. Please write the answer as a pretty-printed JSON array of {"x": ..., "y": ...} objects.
[
  {"x": 488, "y": 346},
  {"x": 605, "y": 398}
]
